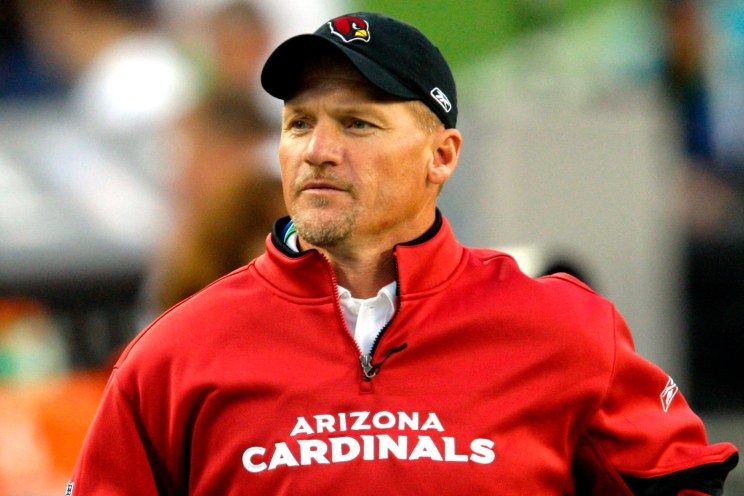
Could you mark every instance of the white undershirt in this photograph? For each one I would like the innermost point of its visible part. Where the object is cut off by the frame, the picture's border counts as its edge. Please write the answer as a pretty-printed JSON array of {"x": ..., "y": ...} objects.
[{"x": 365, "y": 318}]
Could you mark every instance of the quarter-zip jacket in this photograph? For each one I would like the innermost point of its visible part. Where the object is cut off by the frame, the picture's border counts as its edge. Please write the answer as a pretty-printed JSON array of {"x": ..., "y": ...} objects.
[{"x": 494, "y": 383}]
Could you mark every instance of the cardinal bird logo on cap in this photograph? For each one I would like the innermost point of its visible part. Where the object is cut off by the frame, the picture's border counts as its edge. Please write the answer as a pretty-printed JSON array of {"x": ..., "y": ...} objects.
[{"x": 350, "y": 28}]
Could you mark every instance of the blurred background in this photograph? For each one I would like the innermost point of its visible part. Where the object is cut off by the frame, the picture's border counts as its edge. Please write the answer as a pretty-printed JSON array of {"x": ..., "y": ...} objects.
[{"x": 138, "y": 163}]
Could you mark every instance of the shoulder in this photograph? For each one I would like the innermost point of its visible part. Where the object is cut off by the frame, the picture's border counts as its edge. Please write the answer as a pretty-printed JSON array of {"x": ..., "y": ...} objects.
[
  {"x": 502, "y": 269},
  {"x": 193, "y": 326},
  {"x": 556, "y": 306}
]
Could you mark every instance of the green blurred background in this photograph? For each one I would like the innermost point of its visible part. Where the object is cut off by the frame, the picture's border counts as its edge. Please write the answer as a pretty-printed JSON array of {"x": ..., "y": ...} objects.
[{"x": 468, "y": 30}]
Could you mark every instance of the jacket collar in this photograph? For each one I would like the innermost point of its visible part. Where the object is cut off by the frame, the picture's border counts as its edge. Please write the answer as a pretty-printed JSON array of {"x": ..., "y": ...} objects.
[{"x": 422, "y": 265}]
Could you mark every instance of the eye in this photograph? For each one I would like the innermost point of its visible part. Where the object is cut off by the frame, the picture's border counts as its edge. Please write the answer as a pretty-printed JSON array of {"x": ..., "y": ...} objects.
[
  {"x": 360, "y": 124},
  {"x": 297, "y": 124}
]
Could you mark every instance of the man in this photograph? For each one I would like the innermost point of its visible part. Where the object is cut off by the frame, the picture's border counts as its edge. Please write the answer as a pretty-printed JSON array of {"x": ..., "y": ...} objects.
[{"x": 367, "y": 350}]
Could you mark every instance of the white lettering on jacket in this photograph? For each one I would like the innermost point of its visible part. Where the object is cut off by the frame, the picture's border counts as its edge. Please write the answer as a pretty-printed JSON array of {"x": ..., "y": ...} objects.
[
  {"x": 358, "y": 421},
  {"x": 368, "y": 447}
]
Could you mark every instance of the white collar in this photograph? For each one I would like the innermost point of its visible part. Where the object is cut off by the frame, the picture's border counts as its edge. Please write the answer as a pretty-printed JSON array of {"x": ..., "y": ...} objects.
[{"x": 386, "y": 293}]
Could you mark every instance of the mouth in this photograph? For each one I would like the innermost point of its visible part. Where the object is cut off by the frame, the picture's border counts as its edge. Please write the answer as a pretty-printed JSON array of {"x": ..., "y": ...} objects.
[{"x": 319, "y": 186}]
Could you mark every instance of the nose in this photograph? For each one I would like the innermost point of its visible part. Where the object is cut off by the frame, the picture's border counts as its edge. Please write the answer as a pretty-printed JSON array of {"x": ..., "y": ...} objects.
[{"x": 324, "y": 145}]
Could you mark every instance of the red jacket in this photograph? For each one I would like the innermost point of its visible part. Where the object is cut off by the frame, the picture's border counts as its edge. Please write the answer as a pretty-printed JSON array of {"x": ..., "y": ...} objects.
[{"x": 487, "y": 382}]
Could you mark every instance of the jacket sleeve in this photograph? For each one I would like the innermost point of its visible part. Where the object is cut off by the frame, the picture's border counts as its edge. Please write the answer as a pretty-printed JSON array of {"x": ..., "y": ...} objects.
[
  {"x": 117, "y": 457},
  {"x": 644, "y": 439}
]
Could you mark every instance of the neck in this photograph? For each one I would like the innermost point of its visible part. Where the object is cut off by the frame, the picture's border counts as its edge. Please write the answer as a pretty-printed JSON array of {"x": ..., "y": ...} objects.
[
  {"x": 364, "y": 278},
  {"x": 362, "y": 272}
]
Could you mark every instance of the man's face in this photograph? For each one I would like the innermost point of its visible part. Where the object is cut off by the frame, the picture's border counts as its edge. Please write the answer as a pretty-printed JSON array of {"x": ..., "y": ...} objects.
[{"x": 354, "y": 163}]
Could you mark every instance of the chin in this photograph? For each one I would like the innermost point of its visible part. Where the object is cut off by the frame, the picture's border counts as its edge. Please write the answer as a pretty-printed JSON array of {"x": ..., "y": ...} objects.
[{"x": 324, "y": 228}]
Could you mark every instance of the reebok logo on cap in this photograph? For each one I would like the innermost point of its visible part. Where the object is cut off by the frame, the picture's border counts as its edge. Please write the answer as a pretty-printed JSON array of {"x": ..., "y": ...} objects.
[
  {"x": 350, "y": 28},
  {"x": 441, "y": 99}
]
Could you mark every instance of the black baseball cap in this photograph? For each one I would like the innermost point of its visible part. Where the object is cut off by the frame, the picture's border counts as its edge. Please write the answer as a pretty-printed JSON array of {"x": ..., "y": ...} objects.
[{"x": 392, "y": 55}]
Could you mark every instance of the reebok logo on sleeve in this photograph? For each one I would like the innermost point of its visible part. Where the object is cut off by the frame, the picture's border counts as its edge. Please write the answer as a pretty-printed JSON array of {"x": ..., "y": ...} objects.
[{"x": 668, "y": 394}]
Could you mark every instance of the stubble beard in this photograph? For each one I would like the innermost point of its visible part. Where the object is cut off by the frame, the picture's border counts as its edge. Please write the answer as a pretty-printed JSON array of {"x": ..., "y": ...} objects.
[{"x": 321, "y": 228}]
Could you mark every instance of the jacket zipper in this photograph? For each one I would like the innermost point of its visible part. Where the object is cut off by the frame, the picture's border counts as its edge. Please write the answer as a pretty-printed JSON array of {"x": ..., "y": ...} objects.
[
  {"x": 339, "y": 310},
  {"x": 369, "y": 369}
]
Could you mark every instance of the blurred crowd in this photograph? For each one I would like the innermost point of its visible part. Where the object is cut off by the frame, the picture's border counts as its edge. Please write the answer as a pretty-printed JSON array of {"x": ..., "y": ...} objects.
[
  {"x": 706, "y": 79},
  {"x": 155, "y": 122},
  {"x": 705, "y": 76},
  {"x": 158, "y": 126}
]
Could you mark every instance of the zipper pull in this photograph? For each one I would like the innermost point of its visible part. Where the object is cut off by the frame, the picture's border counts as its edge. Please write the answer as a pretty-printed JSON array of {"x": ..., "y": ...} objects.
[{"x": 369, "y": 370}]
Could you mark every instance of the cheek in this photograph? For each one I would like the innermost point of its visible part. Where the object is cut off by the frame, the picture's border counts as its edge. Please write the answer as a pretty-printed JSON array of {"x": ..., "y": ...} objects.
[
  {"x": 283, "y": 155},
  {"x": 411, "y": 167},
  {"x": 397, "y": 184},
  {"x": 287, "y": 162},
  {"x": 409, "y": 181},
  {"x": 288, "y": 174}
]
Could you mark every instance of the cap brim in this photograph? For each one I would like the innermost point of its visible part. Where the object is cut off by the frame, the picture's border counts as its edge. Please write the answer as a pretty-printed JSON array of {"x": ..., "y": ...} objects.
[{"x": 281, "y": 72}]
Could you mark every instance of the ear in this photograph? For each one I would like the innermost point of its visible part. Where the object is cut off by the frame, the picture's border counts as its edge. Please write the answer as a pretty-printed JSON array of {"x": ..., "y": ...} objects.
[{"x": 446, "y": 153}]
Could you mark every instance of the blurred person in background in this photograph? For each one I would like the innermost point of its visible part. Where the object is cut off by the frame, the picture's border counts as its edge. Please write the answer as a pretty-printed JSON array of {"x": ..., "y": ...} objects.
[
  {"x": 226, "y": 190},
  {"x": 129, "y": 82},
  {"x": 233, "y": 36},
  {"x": 226, "y": 201},
  {"x": 706, "y": 80},
  {"x": 238, "y": 41}
]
